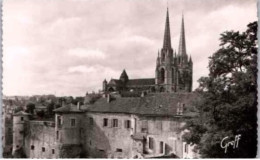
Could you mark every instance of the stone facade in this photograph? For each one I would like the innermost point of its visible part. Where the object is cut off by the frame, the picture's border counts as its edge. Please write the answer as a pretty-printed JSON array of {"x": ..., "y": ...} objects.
[
  {"x": 122, "y": 142},
  {"x": 40, "y": 140}
]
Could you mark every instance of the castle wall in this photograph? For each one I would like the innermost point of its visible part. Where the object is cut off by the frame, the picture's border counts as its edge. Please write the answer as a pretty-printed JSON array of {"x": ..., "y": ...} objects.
[
  {"x": 108, "y": 141},
  {"x": 163, "y": 130},
  {"x": 69, "y": 134},
  {"x": 104, "y": 141},
  {"x": 40, "y": 140}
]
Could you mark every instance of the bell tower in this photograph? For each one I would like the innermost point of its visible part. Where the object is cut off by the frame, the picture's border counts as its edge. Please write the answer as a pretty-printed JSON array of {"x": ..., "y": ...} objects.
[
  {"x": 164, "y": 64},
  {"x": 173, "y": 72}
]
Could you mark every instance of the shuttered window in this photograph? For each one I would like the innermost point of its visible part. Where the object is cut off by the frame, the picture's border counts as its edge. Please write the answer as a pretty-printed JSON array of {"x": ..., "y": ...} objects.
[
  {"x": 151, "y": 142},
  {"x": 127, "y": 124},
  {"x": 115, "y": 122}
]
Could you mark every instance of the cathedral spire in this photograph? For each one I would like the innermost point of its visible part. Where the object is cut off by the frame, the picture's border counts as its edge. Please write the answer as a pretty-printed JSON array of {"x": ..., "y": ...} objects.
[
  {"x": 167, "y": 34},
  {"x": 182, "y": 43}
]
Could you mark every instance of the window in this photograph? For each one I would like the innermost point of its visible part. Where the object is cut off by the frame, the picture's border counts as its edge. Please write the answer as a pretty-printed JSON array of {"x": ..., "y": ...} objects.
[
  {"x": 21, "y": 118},
  {"x": 57, "y": 134},
  {"x": 151, "y": 143},
  {"x": 127, "y": 124},
  {"x": 59, "y": 120},
  {"x": 180, "y": 108},
  {"x": 82, "y": 132},
  {"x": 161, "y": 147},
  {"x": 73, "y": 122},
  {"x": 186, "y": 148},
  {"x": 119, "y": 150},
  {"x": 115, "y": 122},
  {"x": 53, "y": 151},
  {"x": 144, "y": 128},
  {"x": 105, "y": 122},
  {"x": 91, "y": 121},
  {"x": 32, "y": 147},
  {"x": 43, "y": 149}
]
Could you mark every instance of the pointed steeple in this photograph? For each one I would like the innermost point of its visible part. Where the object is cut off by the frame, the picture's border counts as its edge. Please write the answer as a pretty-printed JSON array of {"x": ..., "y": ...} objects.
[
  {"x": 123, "y": 76},
  {"x": 190, "y": 60},
  {"x": 167, "y": 34},
  {"x": 182, "y": 43}
]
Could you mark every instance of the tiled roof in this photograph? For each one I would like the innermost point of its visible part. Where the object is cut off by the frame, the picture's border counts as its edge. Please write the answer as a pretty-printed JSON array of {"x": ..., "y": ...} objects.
[
  {"x": 21, "y": 113},
  {"x": 68, "y": 109},
  {"x": 158, "y": 104},
  {"x": 115, "y": 82},
  {"x": 137, "y": 82}
]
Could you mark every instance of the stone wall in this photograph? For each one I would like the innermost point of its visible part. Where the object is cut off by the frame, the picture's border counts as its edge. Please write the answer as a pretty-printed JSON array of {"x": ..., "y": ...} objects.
[
  {"x": 108, "y": 141},
  {"x": 165, "y": 130},
  {"x": 117, "y": 142},
  {"x": 40, "y": 140},
  {"x": 70, "y": 134}
]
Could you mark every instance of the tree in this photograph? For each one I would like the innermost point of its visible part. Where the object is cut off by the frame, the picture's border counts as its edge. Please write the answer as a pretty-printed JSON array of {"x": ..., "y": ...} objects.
[
  {"x": 50, "y": 108},
  {"x": 30, "y": 107},
  {"x": 229, "y": 103}
]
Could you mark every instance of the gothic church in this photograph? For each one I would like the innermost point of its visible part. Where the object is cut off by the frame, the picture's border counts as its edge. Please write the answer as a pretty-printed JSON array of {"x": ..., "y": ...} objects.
[{"x": 173, "y": 71}]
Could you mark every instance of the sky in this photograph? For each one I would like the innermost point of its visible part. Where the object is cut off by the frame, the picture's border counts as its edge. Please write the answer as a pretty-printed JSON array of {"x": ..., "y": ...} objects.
[{"x": 68, "y": 47}]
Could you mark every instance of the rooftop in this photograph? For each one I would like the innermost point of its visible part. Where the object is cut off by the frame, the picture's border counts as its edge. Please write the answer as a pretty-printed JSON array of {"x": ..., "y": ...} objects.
[
  {"x": 68, "y": 108},
  {"x": 158, "y": 104}
]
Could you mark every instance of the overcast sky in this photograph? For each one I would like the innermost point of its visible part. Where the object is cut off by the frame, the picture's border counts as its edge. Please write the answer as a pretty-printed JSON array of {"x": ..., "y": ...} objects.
[{"x": 68, "y": 47}]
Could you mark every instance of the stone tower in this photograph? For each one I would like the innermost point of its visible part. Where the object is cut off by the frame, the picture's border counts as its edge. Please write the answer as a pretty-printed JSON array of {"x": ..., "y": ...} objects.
[
  {"x": 104, "y": 85},
  {"x": 20, "y": 119},
  {"x": 69, "y": 132},
  {"x": 173, "y": 71}
]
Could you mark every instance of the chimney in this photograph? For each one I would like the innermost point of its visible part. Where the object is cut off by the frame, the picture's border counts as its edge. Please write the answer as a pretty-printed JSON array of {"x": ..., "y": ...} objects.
[
  {"x": 108, "y": 98},
  {"x": 78, "y": 106}
]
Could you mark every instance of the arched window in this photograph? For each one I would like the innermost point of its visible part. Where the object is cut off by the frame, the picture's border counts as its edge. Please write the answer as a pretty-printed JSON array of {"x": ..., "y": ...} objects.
[
  {"x": 173, "y": 75},
  {"x": 162, "y": 75}
]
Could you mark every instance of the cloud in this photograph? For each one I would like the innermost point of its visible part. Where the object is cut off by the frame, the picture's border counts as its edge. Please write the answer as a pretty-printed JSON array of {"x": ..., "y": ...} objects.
[
  {"x": 69, "y": 47},
  {"x": 81, "y": 69},
  {"x": 87, "y": 53}
]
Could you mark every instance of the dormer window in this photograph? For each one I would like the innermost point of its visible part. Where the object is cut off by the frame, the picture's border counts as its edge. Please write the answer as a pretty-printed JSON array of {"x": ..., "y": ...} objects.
[{"x": 180, "y": 107}]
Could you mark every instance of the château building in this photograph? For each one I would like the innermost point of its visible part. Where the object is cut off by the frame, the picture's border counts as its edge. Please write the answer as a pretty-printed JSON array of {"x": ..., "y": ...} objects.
[{"x": 117, "y": 124}]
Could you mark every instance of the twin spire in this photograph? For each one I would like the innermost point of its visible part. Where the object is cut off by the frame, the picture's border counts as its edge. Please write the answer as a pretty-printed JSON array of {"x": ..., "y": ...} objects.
[
  {"x": 167, "y": 36},
  {"x": 182, "y": 43}
]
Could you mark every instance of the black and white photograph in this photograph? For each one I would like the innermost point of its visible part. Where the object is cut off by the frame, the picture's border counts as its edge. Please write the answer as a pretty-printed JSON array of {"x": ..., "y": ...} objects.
[{"x": 129, "y": 79}]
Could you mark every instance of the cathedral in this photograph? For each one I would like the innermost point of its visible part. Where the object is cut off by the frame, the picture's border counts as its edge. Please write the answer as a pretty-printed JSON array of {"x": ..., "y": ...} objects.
[{"x": 173, "y": 71}]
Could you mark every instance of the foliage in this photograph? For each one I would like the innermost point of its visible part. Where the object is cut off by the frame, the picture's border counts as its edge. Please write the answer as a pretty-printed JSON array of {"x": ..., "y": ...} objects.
[
  {"x": 30, "y": 107},
  {"x": 228, "y": 106}
]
